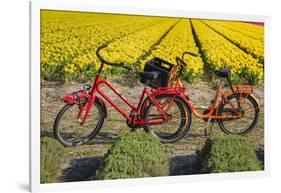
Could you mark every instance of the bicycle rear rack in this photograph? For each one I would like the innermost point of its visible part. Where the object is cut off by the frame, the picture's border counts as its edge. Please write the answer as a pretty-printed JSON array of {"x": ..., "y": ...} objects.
[
  {"x": 77, "y": 97},
  {"x": 245, "y": 89}
]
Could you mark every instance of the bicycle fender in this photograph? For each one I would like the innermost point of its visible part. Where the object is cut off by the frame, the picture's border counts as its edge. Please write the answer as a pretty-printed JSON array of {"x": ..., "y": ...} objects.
[
  {"x": 102, "y": 104},
  {"x": 252, "y": 95},
  {"x": 256, "y": 100},
  {"x": 184, "y": 99}
]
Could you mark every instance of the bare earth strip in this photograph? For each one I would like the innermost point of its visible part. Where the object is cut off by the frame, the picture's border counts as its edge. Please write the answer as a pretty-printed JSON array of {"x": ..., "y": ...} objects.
[{"x": 82, "y": 161}]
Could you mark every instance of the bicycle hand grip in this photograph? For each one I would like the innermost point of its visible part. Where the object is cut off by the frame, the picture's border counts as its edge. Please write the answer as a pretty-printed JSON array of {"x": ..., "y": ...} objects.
[
  {"x": 103, "y": 46},
  {"x": 193, "y": 54},
  {"x": 181, "y": 61}
]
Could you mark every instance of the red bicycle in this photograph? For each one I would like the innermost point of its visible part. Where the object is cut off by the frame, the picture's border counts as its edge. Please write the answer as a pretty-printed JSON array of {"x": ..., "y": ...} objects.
[{"x": 161, "y": 110}]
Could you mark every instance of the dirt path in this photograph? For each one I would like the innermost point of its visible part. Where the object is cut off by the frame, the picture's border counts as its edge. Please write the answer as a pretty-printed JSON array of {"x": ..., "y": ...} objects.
[{"x": 82, "y": 161}]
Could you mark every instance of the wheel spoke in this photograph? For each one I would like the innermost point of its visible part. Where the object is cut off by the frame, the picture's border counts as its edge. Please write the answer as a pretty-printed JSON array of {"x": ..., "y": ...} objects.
[
  {"x": 173, "y": 129},
  {"x": 69, "y": 128},
  {"x": 248, "y": 115}
]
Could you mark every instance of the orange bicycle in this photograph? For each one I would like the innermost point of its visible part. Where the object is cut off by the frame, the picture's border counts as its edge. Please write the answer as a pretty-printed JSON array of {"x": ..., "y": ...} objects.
[{"x": 236, "y": 110}]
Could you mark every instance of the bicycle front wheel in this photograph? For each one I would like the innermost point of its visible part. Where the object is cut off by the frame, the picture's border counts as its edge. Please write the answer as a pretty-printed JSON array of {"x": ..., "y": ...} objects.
[
  {"x": 248, "y": 112},
  {"x": 179, "y": 114},
  {"x": 68, "y": 129}
]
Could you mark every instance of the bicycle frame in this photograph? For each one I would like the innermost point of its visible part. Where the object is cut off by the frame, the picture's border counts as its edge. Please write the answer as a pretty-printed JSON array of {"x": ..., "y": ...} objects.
[
  {"x": 134, "y": 109},
  {"x": 212, "y": 110}
]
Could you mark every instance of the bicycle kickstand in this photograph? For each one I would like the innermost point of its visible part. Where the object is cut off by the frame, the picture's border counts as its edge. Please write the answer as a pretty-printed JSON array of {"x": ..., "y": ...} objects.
[{"x": 210, "y": 129}]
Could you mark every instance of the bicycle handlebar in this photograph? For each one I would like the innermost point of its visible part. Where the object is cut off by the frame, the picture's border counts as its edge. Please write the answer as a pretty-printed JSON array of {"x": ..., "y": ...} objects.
[
  {"x": 181, "y": 61},
  {"x": 122, "y": 64},
  {"x": 190, "y": 53}
]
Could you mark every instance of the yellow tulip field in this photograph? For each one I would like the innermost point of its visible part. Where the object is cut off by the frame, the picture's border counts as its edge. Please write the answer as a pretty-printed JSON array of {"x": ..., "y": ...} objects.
[{"x": 69, "y": 41}]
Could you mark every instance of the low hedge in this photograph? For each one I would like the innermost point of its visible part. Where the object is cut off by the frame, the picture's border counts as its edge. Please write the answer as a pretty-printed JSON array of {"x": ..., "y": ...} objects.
[
  {"x": 52, "y": 155},
  {"x": 134, "y": 155},
  {"x": 228, "y": 153}
]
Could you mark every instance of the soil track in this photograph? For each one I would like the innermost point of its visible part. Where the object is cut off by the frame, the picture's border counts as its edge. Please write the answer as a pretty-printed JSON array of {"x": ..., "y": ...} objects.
[{"x": 83, "y": 160}]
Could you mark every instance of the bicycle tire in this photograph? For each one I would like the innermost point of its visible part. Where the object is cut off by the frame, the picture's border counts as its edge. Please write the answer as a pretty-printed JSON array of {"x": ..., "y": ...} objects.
[
  {"x": 254, "y": 121},
  {"x": 184, "y": 126},
  {"x": 57, "y": 129}
]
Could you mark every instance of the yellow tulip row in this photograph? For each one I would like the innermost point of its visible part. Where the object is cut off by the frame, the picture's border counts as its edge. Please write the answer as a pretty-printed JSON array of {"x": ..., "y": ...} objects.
[
  {"x": 180, "y": 39},
  {"x": 220, "y": 53},
  {"x": 69, "y": 41},
  {"x": 247, "y": 29},
  {"x": 246, "y": 43},
  {"x": 132, "y": 48},
  {"x": 69, "y": 38}
]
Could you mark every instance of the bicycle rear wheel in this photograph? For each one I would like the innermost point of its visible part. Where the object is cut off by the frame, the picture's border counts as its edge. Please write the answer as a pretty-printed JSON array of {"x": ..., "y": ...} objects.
[
  {"x": 68, "y": 129},
  {"x": 179, "y": 114},
  {"x": 249, "y": 113}
]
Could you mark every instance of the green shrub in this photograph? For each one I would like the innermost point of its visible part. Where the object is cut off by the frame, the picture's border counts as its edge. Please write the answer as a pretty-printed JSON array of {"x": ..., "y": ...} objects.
[
  {"x": 133, "y": 155},
  {"x": 52, "y": 155},
  {"x": 228, "y": 153}
]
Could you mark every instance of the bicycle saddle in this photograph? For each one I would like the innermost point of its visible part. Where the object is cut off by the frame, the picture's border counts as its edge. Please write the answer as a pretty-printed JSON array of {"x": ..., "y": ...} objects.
[
  {"x": 153, "y": 75},
  {"x": 223, "y": 73}
]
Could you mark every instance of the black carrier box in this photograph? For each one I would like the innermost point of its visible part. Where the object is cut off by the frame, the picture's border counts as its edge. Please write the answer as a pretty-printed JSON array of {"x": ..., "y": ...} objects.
[{"x": 162, "y": 67}]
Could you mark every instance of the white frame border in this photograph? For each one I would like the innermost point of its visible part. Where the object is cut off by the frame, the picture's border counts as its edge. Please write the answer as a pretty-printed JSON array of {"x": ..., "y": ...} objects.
[{"x": 36, "y": 6}]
